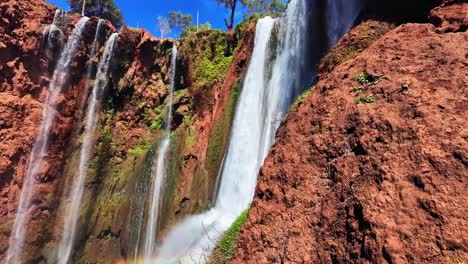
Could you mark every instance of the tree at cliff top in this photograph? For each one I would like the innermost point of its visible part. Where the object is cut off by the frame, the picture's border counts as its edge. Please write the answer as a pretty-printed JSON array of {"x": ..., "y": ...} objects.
[
  {"x": 231, "y": 6},
  {"x": 181, "y": 23},
  {"x": 193, "y": 29},
  {"x": 274, "y": 8},
  {"x": 105, "y": 9}
]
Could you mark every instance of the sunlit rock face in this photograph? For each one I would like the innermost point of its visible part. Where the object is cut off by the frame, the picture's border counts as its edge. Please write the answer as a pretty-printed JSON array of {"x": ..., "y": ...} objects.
[
  {"x": 361, "y": 166},
  {"x": 211, "y": 71}
]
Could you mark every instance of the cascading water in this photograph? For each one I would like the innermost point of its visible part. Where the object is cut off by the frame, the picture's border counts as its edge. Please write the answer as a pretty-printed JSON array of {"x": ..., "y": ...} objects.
[
  {"x": 193, "y": 237},
  {"x": 39, "y": 149},
  {"x": 159, "y": 171},
  {"x": 73, "y": 209},
  {"x": 347, "y": 11},
  {"x": 266, "y": 96},
  {"x": 90, "y": 69},
  {"x": 52, "y": 34}
]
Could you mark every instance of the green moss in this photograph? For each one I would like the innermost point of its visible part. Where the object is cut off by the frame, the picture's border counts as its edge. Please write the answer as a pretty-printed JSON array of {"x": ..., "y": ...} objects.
[
  {"x": 213, "y": 58},
  {"x": 209, "y": 71},
  {"x": 138, "y": 150},
  {"x": 242, "y": 26},
  {"x": 220, "y": 135},
  {"x": 158, "y": 117},
  {"x": 180, "y": 139},
  {"x": 300, "y": 98},
  {"x": 365, "y": 99},
  {"x": 350, "y": 46},
  {"x": 156, "y": 124},
  {"x": 228, "y": 243}
]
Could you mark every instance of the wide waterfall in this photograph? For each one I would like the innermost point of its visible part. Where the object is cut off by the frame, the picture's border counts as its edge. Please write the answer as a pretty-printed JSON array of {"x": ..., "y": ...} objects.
[
  {"x": 274, "y": 79},
  {"x": 159, "y": 170},
  {"x": 92, "y": 115},
  {"x": 39, "y": 149}
]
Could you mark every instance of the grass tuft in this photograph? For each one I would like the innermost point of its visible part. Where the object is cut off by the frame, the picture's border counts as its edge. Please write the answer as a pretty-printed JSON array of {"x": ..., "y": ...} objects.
[{"x": 365, "y": 99}]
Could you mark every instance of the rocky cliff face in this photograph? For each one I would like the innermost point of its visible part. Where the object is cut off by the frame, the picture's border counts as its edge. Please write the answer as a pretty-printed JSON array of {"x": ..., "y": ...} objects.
[
  {"x": 371, "y": 167},
  {"x": 210, "y": 67}
]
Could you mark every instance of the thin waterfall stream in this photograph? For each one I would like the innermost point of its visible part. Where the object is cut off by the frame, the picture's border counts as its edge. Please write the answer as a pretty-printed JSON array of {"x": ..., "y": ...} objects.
[
  {"x": 39, "y": 150},
  {"x": 92, "y": 115},
  {"x": 159, "y": 171},
  {"x": 91, "y": 67},
  {"x": 273, "y": 80}
]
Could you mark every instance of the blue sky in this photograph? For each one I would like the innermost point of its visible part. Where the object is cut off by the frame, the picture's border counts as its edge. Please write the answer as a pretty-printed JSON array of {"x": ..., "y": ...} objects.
[{"x": 144, "y": 13}]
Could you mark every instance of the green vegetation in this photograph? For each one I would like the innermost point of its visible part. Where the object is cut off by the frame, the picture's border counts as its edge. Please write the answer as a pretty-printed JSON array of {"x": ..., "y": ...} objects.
[
  {"x": 228, "y": 243},
  {"x": 179, "y": 21},
  {"x": 105, "y": 9},
  {"x": 220, "y": 134},
  {"x": 265, "y": 7},
  {"x": 159, "y": 115},
  {"x": 213, "y": 63},
  {"x": 359, "y": 39},
  {"x": 357, "y": 89},
  {"x": 274, "y": 8},
  {"x": 365, "y": 99},
  {"x": 136, "y": 150},
  {"x": 193, "y": 29},
  {"x": 300, "y": 98},
  {"x": 365, "y": 78}
]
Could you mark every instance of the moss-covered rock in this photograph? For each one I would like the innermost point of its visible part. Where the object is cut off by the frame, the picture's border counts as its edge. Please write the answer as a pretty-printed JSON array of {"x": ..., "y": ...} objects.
[{"x": 352, "y": 44}]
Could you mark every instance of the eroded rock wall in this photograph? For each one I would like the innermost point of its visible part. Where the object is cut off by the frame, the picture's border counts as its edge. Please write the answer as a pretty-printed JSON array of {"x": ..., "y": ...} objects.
[
  {"x": 372, "y": 166},
  {"x": 210, "y": 67}
]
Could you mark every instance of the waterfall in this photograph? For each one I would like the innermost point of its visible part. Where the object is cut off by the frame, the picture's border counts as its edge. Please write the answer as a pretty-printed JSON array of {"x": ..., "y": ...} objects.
[
  {"x": 159, "y": 171},
  {"x": 192, "y": 238},
  {"x": 92, "y": 115},
  {"x": 52, "y": 34},
  {"x": 59, "y": 79},
  {"x": 347, "y": 11},
  {"x": 264, "y": 99},
  {"x": 90, "y": 69}
]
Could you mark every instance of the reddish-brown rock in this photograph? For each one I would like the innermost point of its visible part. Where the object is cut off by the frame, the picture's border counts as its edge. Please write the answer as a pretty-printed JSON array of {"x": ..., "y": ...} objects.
[{"x": 377, "y": 182}]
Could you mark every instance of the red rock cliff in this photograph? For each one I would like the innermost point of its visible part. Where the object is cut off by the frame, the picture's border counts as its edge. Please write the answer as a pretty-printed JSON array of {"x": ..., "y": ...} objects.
[
  {"x": 373, "y": 169},
  {"x": 128, "y": 132}
]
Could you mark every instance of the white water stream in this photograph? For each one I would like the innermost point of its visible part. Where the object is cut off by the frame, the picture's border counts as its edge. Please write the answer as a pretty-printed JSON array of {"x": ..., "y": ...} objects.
[
  {"x": 91, "y": 67},
  {"x": 39, "y": 150},
  {"x": 159, "y": 170},
  {"x": 193, "y": 238},
  {"x": 72, "y": 213}
]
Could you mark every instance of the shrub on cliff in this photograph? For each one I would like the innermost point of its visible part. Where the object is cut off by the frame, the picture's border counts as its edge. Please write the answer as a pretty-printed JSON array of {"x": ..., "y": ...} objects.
[{"x": 105, "y": 9}]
